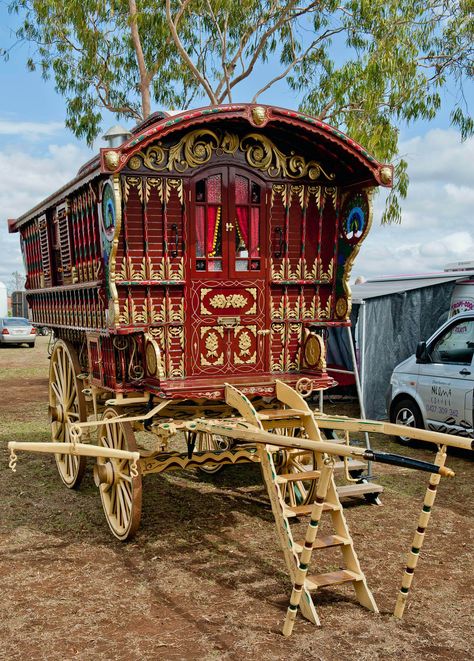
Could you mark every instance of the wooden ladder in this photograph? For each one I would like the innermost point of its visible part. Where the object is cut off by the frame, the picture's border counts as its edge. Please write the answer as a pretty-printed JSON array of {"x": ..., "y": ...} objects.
[{"x": 295, "y": 413}]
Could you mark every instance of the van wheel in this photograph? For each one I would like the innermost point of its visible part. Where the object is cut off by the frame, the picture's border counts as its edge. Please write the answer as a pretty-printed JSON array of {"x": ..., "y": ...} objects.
[{"x": 406, "y": 412}]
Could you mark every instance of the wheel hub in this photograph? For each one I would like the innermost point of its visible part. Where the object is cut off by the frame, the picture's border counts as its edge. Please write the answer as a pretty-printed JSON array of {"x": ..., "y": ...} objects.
[{"x": 104, "y": 474}]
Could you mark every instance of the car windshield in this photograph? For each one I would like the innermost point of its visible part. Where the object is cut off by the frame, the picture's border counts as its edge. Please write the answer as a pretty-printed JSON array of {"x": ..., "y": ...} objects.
[{"x": 16, "y": 321}]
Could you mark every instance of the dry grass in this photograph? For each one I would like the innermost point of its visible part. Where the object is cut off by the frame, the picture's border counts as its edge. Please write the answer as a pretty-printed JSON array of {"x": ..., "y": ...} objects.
[{"x": 204, "y": 577}]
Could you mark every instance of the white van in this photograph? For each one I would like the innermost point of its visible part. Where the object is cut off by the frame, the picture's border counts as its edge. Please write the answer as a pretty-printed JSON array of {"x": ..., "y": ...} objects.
[{"x": 434, "y": 388}]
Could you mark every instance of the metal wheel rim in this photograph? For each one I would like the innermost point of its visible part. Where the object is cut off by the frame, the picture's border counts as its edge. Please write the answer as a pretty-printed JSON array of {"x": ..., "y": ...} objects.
[
  {"x": 67, "y": 406},
  {"x": 122, "y": 500},
  {"x": 405, "y": 417}
]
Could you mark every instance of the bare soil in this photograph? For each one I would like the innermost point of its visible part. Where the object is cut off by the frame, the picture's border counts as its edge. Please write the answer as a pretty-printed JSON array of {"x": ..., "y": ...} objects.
[{"x": 204, "y": 577}]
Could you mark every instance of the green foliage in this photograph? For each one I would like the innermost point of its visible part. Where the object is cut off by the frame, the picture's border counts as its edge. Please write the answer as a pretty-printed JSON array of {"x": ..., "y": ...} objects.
[{"x": 365, "y": 66}]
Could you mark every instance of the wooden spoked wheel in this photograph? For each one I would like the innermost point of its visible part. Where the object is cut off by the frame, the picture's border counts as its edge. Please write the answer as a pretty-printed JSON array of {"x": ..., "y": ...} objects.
[
  {"x": 211, "y": 443},
  {"x": 120, "y": 490},
  {"x": 67, "y": 406}
]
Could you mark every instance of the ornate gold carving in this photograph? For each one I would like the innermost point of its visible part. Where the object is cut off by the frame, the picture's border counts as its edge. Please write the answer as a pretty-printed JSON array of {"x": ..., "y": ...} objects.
[
  {"x": 222, "y": 301},
  {"x": 197, "y": 147},
  {"x": 174, "y": 184},
  {"x": 310, "y": 272},
  {"x": 298, "y": 190},
  {"x": 132, "y": 182},
  {"x": 277, "y": 311},
  {"x": 341, "y": 308},
  {"x": 259, "y": 115},
  {"x": 326, "y": 276},
  {"x": 331, "y": 192},
  {"x": 157, "y": 184},
  {"x": 245, "y": 342},
  {"x": 386, "y": 175},
  {"x": 282, "y": 191},
  {"x": 277, "y": 272},
  {"x": 112, "y": 159},
  {"x": 316, "y": 191},
  {"x": 175, "y": 269},
  {"x": 278, "y": 364},
  {"x": 211, "y": 344},
  {"x": 324, "y": 313},
  {"x": 135, "y": 163}
]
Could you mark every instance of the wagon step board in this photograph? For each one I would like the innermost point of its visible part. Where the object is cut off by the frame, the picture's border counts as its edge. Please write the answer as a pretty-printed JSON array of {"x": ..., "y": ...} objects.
[
  {"x": 332, "y": 578},
  {"x": 321, "y": 496}
]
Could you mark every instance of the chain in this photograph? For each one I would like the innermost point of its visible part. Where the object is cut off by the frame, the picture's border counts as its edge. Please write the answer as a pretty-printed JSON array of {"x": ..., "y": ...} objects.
[
  {"x": 134, "y": 469},
  {"x": 13, "y": 460}
]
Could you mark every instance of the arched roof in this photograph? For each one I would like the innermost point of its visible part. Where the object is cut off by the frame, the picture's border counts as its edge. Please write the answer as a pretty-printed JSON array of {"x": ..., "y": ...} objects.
[{"x": 333, "y": 145}]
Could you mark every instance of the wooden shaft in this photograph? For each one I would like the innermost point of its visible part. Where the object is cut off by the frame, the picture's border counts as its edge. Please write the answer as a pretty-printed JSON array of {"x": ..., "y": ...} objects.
[
  {"x": 311, "y": 532},
  {"x": 80, "y": 449},
  {"x": 419, "y": 536},
  {"x": 247, "y": 432},
  {"x": 390, "y": 429}
]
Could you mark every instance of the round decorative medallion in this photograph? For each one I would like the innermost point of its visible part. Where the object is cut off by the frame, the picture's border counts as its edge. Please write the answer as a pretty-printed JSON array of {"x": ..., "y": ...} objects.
[
  {"x": 108, "y": 215},
  {"x": 355, "y": 217},
  {"x": 259, "y": 115},
  {"x": 313, "y": 350},
  {"x": 341, "y": 308},
  {"x": 386, "y": 175},
  {"x": 112, "y": 159},
  {"x": 135, "y": 163},
  {"x": 153, "y": 357}
]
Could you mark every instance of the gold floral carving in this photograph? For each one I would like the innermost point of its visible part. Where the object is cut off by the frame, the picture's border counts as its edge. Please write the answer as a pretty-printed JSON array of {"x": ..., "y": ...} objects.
[
  {"x": 211, "y": 344},
  {"x": 222, "y": 301},
  {"x": 135, "y": 163},
  {"x": 132, "y": 182},
  {"x": 245, "y": 343},
  {"x": 197, "y": 147}
]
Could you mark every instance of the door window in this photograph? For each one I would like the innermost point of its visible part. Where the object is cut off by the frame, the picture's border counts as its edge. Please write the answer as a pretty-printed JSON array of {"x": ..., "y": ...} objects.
[
  {"x": 208, "y": 196},
  {"x": 456, "y": 345},
  {"x": 247, "y": 230}
]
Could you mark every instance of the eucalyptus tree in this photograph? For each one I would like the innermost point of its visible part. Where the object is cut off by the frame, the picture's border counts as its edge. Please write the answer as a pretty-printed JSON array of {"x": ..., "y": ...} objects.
[{"x": 365, "y": 66}]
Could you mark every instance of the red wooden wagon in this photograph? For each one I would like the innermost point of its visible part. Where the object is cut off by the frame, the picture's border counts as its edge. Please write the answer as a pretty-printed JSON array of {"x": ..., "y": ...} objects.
[{"x": 213, "y": 247}]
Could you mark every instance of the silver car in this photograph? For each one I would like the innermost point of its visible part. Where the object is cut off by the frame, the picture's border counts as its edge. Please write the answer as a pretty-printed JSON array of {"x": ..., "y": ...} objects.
[
  {"x": 16, "y": 330},
  {"x": 434, "y": 388}
]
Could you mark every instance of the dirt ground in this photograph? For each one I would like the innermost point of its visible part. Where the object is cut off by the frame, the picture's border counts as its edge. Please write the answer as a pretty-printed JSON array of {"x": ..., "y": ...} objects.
[{"x": 204, "y": 577}]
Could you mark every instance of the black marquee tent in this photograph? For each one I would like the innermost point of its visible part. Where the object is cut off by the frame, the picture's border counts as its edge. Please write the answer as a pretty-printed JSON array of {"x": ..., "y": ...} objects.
[{"x": 389, "y": 317}]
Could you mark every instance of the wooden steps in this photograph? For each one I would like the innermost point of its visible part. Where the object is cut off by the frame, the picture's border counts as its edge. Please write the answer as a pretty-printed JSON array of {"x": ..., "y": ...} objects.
[
  {"x": 322, "y": 496},
  {"x": 303, "y": 510},
  {"x": 332, "y": 578},
  {"x": 323, "y": 542},
  {"x": 358, "y": 489}
]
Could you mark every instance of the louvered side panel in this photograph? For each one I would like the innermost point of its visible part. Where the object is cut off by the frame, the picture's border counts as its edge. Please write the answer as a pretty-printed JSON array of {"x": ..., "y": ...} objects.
[
  {"x": 64, "y": 241},
  {"x": 45, "y": 251}
]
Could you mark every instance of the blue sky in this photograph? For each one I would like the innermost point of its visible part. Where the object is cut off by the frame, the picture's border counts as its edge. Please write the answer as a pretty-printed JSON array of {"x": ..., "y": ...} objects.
[{"x": 38, "y": 155}]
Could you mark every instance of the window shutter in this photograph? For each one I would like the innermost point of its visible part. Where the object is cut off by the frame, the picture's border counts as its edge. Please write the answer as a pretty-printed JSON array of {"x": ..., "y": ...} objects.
[
  {"x": 64, "y": 241},
  {"x": 45, "y": 250}
]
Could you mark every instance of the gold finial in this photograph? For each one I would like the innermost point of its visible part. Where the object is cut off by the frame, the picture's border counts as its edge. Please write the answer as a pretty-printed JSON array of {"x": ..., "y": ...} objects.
[
  {"x": 259, "y": 115},
  {"x": 112, "y": 159},
  {"x": 386, "y": 175}
]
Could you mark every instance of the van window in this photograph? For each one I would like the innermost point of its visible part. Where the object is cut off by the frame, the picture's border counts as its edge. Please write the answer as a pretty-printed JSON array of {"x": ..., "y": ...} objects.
[{"x": 456, "y": 345}]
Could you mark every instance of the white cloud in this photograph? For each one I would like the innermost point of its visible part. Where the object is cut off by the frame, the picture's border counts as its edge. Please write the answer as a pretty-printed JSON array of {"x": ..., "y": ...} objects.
[
  {"x": 30, "y": 129},
  {"x": 437, "y": 217},
  {"x": 25, "y": 181}
]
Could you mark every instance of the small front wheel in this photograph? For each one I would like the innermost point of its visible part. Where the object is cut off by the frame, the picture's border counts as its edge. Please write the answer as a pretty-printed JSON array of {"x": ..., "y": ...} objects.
[{"x": 120, "y": 487}]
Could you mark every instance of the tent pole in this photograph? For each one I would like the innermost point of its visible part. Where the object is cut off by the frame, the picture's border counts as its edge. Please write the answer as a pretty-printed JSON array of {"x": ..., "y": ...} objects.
[{"x": 360, "y": 381}]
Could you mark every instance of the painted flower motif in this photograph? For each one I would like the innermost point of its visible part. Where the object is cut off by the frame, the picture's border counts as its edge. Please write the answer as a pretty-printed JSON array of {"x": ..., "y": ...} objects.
[
  {"x": 212, "y": 342},
  {"x": 245, "y": 343}
]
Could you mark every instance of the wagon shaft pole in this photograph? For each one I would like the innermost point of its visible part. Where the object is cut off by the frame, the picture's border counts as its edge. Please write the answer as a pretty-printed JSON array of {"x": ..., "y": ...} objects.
[
  {"x": 78, "y": 449},
  {"x": 246, "y": 432},
  {"x": 389, "y": 429}
]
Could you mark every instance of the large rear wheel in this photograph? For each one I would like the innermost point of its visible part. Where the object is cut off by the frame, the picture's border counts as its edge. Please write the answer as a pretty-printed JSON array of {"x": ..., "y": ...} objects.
[{"x": 67, "y": 406}]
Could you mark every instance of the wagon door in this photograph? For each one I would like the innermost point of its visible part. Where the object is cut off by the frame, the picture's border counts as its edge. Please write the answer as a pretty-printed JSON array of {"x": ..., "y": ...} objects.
[{"x": 228, "y": 275}]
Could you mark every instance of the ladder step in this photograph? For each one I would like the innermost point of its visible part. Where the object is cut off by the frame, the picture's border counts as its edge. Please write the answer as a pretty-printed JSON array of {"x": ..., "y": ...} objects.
[
  {"x": 323, "y": 542},
  {"x": 297, "y": 477},
  {"x": 281, "y": 414},
  {"x": 331, "y": 578},
  {"x": 358, "y": 489},
  {"x": 302, "y": 510}
]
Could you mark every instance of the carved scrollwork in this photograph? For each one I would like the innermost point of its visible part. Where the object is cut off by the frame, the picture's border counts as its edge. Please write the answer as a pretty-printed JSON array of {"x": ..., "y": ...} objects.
[{"x": 197, "y": 147}]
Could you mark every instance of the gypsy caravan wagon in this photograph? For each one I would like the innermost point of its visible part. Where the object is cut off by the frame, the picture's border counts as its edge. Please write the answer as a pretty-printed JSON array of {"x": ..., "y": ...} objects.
[{"x": 190, "y": 274}]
